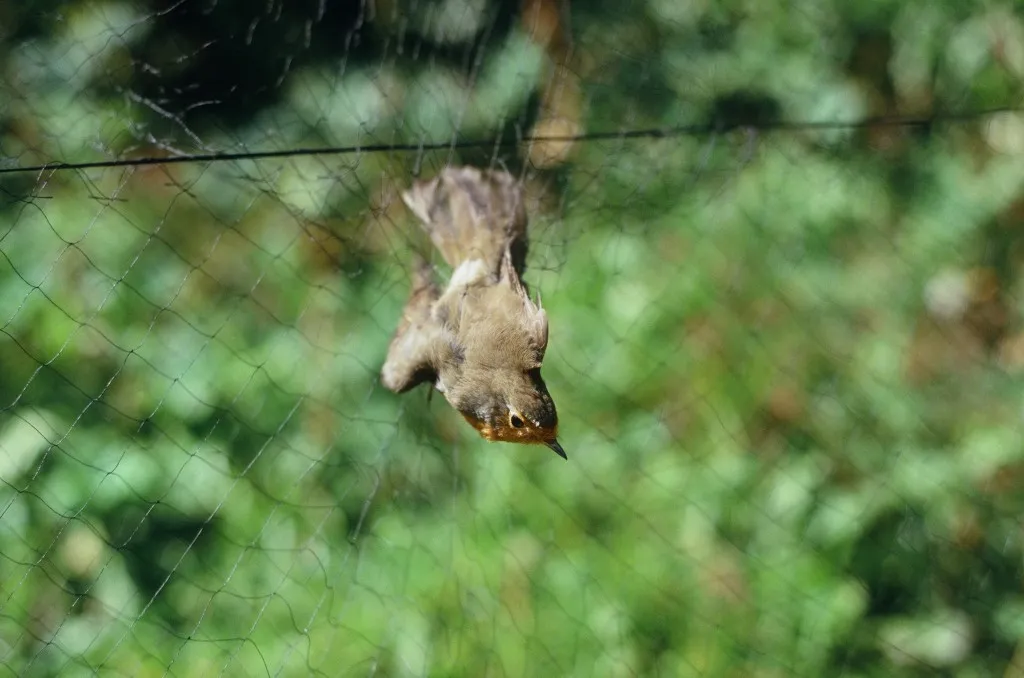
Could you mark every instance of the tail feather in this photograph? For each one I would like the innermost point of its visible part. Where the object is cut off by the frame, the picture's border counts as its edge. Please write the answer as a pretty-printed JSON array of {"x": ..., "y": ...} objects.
[{"x": 472, "y": 214}]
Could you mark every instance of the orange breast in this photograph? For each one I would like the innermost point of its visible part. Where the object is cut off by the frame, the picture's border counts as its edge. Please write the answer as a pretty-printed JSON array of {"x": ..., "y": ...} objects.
[{"x": 530, "y": 435}]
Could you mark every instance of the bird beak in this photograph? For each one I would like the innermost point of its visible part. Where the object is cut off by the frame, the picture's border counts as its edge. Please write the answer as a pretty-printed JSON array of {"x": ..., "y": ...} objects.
[{"x": 558, "y": 449}]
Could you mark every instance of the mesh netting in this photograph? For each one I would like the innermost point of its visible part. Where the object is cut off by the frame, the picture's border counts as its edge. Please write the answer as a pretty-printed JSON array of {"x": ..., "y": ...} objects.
[{"x": 781, "y": 251}]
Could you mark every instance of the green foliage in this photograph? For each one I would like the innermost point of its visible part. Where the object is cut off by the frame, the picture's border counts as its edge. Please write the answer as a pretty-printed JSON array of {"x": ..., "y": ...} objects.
[{"x": 785, "y": 458}]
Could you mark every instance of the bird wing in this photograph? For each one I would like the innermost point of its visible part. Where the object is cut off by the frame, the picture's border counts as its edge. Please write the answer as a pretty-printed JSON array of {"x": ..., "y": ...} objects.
[
  {"x": 535, "y": 318},
  {"x": 411, "y": 355}
]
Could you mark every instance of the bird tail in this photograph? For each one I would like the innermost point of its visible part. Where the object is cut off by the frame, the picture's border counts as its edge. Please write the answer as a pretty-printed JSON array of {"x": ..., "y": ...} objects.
[{"x": 472, "y": 214}]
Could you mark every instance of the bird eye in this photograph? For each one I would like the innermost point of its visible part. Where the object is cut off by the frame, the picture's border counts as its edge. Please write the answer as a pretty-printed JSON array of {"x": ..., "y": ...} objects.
[{"x": 515, "y": 421}]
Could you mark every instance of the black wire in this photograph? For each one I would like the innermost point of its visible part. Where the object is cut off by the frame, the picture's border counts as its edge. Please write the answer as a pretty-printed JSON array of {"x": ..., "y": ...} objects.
[{"x": 648, "y": 133}]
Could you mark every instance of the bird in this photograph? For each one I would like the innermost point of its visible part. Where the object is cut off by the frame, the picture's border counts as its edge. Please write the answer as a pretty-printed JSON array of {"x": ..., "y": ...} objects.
[{"x": 480, "y": 340}]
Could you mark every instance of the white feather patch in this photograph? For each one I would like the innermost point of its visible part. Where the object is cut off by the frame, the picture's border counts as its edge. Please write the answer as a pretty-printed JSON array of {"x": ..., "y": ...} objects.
[{"x": 468, "y": 273}]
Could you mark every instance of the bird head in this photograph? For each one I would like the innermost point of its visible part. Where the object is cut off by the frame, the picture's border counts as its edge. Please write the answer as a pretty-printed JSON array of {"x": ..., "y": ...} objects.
[{"x": 523, "y": 413}]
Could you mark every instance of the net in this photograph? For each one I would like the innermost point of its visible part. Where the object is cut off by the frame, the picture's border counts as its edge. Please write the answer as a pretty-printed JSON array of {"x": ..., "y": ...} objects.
[{"x": 780, "y": 248}]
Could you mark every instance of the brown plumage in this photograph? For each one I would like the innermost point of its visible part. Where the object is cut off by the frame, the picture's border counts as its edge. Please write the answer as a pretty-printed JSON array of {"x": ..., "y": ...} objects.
[{"x": 481, "y": 340}]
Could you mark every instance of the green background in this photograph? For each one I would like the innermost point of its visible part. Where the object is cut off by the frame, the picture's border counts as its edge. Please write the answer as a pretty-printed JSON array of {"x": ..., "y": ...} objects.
[{"x": 787, "y": 360}]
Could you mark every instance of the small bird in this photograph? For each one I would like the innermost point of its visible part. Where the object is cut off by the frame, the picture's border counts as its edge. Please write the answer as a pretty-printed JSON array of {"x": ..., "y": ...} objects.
[{"x": 481, "y": 340}]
